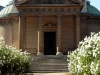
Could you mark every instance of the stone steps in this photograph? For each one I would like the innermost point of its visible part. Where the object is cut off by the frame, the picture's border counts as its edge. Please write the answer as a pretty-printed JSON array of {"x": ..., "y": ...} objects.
[{"x": 48, "y": 64}]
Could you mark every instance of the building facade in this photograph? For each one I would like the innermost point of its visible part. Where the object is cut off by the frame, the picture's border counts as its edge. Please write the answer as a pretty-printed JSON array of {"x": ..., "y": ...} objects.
[{"x": 48, "y": 27}]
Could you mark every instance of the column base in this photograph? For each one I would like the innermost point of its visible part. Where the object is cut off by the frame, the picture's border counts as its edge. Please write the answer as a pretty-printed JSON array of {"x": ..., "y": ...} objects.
[
  {"x": 40, "y": 53},
  {"x": 59, "y": 53}
]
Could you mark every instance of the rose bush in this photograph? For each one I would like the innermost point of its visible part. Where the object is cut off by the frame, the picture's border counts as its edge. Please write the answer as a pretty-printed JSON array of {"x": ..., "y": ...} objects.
[
  {"x": 13, "y": 60},
  {"x": 85, "y": 60}
]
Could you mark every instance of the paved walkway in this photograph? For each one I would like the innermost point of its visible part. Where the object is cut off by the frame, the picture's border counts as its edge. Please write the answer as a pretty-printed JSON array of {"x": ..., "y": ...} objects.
[{"x": 51, "y": 74}]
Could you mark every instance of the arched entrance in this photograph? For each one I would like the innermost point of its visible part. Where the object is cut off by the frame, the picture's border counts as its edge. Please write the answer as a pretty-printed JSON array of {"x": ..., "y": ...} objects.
[{"x": 49, "y": 43}]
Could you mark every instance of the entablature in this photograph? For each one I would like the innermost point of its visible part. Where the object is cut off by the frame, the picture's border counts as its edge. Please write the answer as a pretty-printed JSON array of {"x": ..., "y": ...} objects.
[
  {"x": 49, "y": 1},
  {"x": 50, "y": 10}
]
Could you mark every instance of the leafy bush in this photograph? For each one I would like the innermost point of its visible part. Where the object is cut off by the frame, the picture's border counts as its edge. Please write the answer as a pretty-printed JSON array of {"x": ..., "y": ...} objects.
[
  {"x": 85, "y": 60},
  {"x": 13, "y": 60}
]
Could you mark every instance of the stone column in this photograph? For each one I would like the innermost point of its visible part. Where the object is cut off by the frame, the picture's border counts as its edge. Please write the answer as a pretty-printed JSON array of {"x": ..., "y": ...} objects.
[
  {"x": 22, "y": 32},
  {"x": 77, "y": 30},
  {"x": 20, "y": 24},
  {"x": 40, "y": 36},
  {"x": 3, "y": 31},
  {"x": 58, "y": 36}
]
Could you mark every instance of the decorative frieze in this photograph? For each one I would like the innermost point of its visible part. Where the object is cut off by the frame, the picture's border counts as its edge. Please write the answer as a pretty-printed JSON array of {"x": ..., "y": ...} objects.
[
  {"x": 4, "y": 22},
  {"x": 90, "y": 21},
  {"x": 50, "y": 10},
  {"x": 93, "y": 22}
]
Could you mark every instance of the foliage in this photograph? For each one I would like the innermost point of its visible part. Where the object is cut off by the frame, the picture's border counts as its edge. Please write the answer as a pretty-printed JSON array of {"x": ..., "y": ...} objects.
[
  {"x": 13, "y": 60},
  {"x": 85, "y": 60}
]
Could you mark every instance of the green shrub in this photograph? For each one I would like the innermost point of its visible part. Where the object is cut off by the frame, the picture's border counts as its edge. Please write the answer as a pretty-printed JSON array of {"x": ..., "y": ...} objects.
[
  {"x": 85, "y": 60},
  {"x": 13, "y": 60}
]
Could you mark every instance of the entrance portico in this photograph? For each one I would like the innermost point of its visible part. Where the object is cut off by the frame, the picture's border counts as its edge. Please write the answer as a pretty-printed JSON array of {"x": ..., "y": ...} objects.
[
  {"x": 49, "y": 29},
  {"x": 53, "y": 38}
]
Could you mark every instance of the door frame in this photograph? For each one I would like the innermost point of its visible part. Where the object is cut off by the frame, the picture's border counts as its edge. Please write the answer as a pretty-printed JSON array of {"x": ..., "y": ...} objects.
[{"x": 54, "y": 35}]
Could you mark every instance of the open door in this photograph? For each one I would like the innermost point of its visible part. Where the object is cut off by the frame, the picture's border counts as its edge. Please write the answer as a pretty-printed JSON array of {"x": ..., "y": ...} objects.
[{"x": 49, "y": 43}]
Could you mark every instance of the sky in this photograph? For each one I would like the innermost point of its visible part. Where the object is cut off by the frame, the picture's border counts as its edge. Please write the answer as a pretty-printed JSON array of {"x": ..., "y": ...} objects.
[{"x": 95, "y": 3}]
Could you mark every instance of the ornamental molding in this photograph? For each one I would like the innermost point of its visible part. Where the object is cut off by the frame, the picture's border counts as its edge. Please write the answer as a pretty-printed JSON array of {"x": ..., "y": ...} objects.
[
  {"x": 5, "y": 22},
  {"x": 50, "y": 10},
  {"x": 48, "y": 1},
  {"x": 93, "y": 22}
]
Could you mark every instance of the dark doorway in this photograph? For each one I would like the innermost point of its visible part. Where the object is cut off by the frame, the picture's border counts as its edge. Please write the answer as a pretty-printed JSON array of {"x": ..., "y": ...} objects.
[{"x": 49, "y": 43}]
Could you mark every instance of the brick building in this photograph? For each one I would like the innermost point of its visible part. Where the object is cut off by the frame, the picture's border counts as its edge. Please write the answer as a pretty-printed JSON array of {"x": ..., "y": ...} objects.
[{"x": 48, "y": 27}]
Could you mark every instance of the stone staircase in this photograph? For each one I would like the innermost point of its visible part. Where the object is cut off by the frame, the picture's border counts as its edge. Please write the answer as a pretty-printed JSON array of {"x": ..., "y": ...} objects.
[{"x": 48, "y": 64}]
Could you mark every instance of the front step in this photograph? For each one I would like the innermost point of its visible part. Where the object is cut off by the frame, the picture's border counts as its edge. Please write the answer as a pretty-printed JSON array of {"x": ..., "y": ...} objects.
[{"x": 47, "y": 64}]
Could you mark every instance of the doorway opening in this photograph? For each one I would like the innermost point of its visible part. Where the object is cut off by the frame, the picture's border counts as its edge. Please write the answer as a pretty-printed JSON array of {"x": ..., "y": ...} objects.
[{"x": 49, "y": 43}]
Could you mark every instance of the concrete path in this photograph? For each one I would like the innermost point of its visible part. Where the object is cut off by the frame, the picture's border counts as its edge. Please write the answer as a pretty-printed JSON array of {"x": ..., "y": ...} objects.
[
  {"x": 55, "y": 74},
  {"x": 50, "y": 74}
]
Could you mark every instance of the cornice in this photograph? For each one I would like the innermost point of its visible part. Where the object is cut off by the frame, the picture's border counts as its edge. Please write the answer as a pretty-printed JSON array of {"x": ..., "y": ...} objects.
[{"x": 24, "y": 1}]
